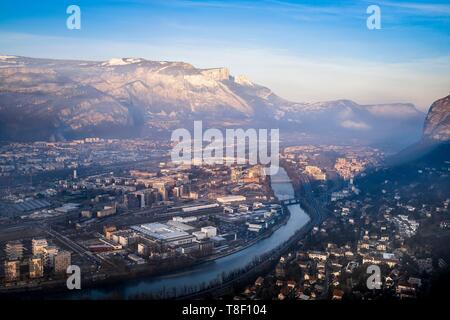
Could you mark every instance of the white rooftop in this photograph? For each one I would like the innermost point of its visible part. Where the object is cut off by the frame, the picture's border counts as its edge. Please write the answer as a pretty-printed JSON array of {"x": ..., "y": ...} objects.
[{"x": 160, "y": 231}]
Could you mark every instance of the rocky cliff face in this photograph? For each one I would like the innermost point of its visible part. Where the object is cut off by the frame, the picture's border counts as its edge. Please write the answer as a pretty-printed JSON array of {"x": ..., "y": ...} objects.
[
  {"x": 437, "y": 122},
  {"x": 43, "y": 98}
]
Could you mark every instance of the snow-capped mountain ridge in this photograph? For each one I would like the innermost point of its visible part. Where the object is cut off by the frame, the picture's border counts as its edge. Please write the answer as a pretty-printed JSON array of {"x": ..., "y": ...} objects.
[
  {"x": 121, "y": 61},
  {"x": 81, "y": 97}
]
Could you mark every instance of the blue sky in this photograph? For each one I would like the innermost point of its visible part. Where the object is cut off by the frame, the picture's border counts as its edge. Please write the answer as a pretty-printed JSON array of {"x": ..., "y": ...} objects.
[{"x": 303, "y": 50}]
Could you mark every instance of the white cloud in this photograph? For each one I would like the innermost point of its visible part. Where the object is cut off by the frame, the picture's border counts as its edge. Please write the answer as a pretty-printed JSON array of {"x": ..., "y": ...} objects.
[
  {"x": 421, "y": 8},
  {"x": 357, "y": 125}
]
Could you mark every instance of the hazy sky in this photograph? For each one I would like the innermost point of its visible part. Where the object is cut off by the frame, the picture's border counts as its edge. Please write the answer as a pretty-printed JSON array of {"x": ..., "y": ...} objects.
[{"x": 303, "y": 50}]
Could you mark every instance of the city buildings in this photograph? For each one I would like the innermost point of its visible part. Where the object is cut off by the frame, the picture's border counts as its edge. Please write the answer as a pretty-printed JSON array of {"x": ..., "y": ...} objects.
[
  {"x": 164, "y": 234},
  {"x": 106, "y": 211},
  {"x": 315, "y": 173},
  {"x": 230, "y": 199},
  {"x": 12, "y": 270},
  {"x": 36, "y": 267},
  {"x": 62, "y": 261},
  {"x": 14, "y": 250},
  {"x": 38, "y": 246}
]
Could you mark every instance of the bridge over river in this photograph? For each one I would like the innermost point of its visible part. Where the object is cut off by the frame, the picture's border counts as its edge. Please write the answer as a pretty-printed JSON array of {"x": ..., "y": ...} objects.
[{"x": 289, "y": 202}]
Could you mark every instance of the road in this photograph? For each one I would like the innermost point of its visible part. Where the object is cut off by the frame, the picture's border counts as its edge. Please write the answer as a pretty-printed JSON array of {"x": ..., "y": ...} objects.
[
  {"x": 73, "y": 246},
  {"x": 320, "y": 213}
]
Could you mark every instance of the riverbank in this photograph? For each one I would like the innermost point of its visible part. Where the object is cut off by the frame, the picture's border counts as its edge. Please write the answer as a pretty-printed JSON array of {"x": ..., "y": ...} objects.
[
  {"x": 217, "y": 272},
  {"x": 265, "y": 264},
  {"x": 103, "y": 280},
  {"x": 198, "y": 277}
]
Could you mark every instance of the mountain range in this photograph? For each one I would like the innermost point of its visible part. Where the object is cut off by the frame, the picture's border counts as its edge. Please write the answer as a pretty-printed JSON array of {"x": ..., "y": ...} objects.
[{"x": 46, "y": 99}]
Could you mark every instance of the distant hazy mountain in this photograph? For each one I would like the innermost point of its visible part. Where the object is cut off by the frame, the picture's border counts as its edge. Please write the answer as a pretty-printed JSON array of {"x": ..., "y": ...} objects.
[
  {"x": 57, "y": 99},
  {"x": 437, "y": 123}
]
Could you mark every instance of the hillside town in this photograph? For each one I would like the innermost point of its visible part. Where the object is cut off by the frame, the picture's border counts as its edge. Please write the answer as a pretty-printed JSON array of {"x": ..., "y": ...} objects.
[{"x": 387, "y": 225}]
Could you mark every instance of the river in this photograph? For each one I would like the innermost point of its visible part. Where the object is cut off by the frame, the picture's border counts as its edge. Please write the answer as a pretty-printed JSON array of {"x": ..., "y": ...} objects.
[{"x": 207, "y": 272}]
